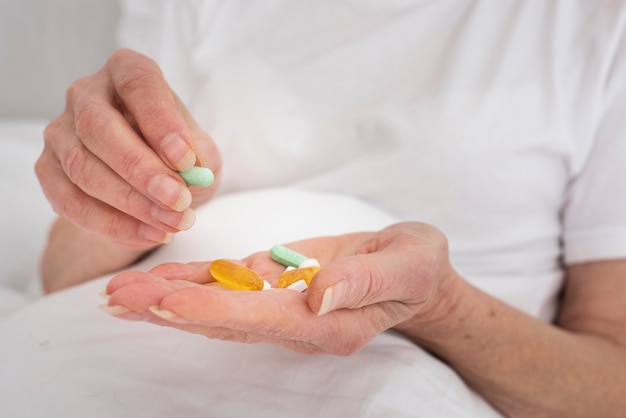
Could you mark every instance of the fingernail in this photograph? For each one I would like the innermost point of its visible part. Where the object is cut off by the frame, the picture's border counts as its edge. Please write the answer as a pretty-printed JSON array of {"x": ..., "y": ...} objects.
[
  {"x": 178, "y": 152},
  {"x": 155, "y": 235},
  {"x": 332, "y": 297},
  {"x": 170, "y": 192},
  {"x": 181, "y": 221},
  {"x": 167, "y": 315},
  {"x": 114, "y": 309},
  {"x": 104, "y": 294},
  {"x": 162, "y": 313}
]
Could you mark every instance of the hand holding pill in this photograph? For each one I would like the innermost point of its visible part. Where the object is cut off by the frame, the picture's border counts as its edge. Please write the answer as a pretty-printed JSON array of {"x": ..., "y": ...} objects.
[
  {"x": 112, "y": 160},
  {"x": 367, "y": 284}
]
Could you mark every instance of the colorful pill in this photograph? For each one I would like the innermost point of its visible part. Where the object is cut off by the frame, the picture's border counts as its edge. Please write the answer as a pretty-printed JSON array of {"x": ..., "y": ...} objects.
[
  {"x": 299, "y": 286},
  {"x": 309, "y": 262},
  {"x": 198, "y": 176},
  {"x": 235, "y": 276},
  {"x": 286, "y": 256},
  {"x": 292, "y": 276}
]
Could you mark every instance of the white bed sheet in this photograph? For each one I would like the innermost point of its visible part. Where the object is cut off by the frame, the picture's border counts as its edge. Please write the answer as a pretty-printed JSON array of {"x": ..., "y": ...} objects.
[
  {"x": 61, "y": 356},
  {"x": 25, "y": 214}
]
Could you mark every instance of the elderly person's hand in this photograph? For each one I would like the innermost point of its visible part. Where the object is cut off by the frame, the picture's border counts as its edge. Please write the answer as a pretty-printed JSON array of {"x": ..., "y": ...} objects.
[
  {"x": 401, "y": 277},
  {"x": 110, "y": 160},
  {"x": 110, "y": 165},
  {"x": 368, "y": 283}
]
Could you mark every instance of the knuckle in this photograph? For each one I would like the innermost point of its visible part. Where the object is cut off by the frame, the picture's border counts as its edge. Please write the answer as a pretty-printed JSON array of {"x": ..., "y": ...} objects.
[
  {"x": 122, "y": 55},
  {"x": 87, "y": 115},
  {"x": 75, "y": 163},
  {"x": 76, "y": 90},
  {"x": 55, "y": 133},
  {"x": 114, "y": 227},
  {"x": 129, "y": 161},
  {"x": 72, "y": 208},
  {"x": 127, "y": 198},
  {"x": 137, "y": 75},
  {"x": 51, "y": 130},
  {"x": 41, "y": 169}
]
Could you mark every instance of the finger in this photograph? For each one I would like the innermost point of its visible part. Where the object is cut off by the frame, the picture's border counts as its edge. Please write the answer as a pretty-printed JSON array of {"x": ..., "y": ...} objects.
[
  {"x": 280, "y": 316},
  {"x": 354, "y": 282},
  {"x": 272, "y": 312},
  {"x": 138, "y": 291},
  {"x": 144, "y": 93},
  {"x": 105, "y": 133},
  {"x": 94, "y": 215},
  {"x": 144, "y": 294},
  {"x": 95, "y": 178},
  {"x": 406, "y": 262},
  {"x": 397, "y": 264},
  {"x": 135, "y": 295},
  {"x": 195, "y": 272},
  {"x": 277, "y": 316}
]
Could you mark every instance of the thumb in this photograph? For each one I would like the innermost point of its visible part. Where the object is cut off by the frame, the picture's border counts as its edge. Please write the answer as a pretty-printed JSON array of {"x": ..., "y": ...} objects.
[{"x": 355, "y": 281}]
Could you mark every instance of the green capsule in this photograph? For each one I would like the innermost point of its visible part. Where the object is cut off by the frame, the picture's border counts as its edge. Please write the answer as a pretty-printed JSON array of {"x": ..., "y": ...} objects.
[
  {"x": 286, "y": 257},
  {"x": 198, "y": 176}
]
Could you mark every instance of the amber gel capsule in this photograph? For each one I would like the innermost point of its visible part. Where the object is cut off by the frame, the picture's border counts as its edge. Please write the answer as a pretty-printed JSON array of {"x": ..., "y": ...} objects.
[
  {"x": 289, "y": 277},
  {"x": 235, "y": 276}
]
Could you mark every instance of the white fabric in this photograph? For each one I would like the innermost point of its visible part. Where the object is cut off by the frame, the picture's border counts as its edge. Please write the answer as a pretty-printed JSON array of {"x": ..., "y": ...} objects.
[
  {"x": 24, "y": 214},
  {"x": 476, "y": 117},
  {"x": 61, "y": 356},
  {"x": 500, "y": 122}
]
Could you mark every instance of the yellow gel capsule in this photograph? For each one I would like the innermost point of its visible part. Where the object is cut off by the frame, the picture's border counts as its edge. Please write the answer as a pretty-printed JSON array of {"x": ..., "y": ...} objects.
[
  {"x": 291, "y": 276},
  {"x": 235, "y": 276}
]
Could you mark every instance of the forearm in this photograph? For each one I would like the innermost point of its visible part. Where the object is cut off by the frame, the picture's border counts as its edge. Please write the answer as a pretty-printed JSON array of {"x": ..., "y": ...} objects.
[
  {"x": 74, "y": 255},
  {"x": 522, "y": 365}
]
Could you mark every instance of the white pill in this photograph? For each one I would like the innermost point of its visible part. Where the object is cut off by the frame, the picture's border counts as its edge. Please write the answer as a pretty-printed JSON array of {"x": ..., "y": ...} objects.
[
  {"x": 300, "y": 286},
  {"x": 309, "y": 262}
]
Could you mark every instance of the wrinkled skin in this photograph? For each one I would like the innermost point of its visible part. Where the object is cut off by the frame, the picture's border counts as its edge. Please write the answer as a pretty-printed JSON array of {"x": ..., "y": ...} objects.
[
  {"x": 109, "y": 169},
  {"x": 368, "y": 273}
]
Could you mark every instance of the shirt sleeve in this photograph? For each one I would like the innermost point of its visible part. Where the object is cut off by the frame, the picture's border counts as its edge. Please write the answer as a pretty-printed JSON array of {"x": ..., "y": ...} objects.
[{"x": 594, "y": 217}]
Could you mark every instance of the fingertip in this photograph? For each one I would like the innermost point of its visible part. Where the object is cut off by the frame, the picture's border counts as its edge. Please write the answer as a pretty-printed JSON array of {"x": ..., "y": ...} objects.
[
  {"x": 162, "y": 313},
  {"x": 154, "y": 235},
  {"x": 170, "y": 192},
  {"x": 333, "y": 297},
  {"x": 178, "y": 152},
  {"x": 180, "y": 221},
  {"x": 114, "y": 310},
  {"x": 187, "y": 221}
]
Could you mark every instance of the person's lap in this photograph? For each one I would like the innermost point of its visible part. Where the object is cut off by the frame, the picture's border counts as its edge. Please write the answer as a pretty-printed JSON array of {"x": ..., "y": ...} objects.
[{"x": 61, "y": 356}]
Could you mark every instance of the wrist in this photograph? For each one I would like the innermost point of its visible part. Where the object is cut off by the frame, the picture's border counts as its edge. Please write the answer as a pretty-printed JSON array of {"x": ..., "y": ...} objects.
[
  {"x": 442, "y": 313},
  {"x": 74, "y": 255}
]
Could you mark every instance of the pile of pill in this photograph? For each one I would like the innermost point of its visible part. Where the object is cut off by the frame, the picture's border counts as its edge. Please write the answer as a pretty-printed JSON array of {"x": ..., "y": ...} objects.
[{"x": 297, "y": 276}]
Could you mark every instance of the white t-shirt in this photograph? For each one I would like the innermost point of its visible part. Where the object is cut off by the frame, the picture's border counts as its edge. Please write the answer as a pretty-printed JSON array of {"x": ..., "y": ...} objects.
[{"x": 499, "y": 122}]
